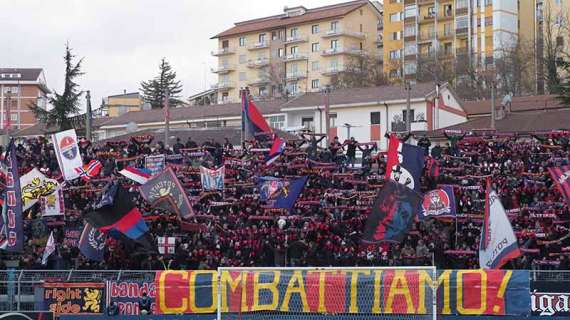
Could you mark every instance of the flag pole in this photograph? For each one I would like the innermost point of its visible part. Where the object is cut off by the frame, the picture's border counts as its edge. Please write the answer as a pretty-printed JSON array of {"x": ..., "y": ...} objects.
[{"x": 241, "y": 95}]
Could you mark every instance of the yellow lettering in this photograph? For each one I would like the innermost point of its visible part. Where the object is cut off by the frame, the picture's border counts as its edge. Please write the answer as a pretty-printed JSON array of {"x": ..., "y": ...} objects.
[
  {"x": 162, "y": 290},
  {"x": 443, "y": 278},
  {"x": 271, "y": 286},
  {"x": 483, "y": 293},
  {"x": 296, "y": 278},
  {"x": 400, "y": 287},
  {"x": 226, "y": 279},
  {"x": 322, "y": 287},
  {"x": 376, "y": 308},
  {"x": 353, "y": 308}
]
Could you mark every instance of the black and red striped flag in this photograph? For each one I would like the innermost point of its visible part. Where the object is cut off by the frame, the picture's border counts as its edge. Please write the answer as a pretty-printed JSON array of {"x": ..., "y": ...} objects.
[{"x": 561, "y": 177}]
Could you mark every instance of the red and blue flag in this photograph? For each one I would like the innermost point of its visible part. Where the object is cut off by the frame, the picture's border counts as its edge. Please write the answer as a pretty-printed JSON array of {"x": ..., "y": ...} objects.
[
  {"x": 405, "y": 163},
  {"x": 281, "y": 193},
  {"x": 561, "y": 177}
]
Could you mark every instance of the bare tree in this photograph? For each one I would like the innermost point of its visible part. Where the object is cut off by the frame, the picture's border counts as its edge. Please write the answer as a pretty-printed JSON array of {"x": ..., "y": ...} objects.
[
  {"x": 551, "y": 43},
  {"x": 514, "y": 68},
  {"x": 360, "y": 71},
  {"x": 275, "y": 75}
]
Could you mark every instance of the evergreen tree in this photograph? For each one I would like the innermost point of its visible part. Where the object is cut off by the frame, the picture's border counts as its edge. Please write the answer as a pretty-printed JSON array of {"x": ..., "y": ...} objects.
[
  {"x": 64, "y": 105},
  {"x": 154, "y": 91}
]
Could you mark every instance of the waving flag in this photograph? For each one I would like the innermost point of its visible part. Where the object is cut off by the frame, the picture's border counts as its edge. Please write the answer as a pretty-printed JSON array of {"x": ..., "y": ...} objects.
[
  {"x": 116, "y": 213},
  {"x": 212, "y": 179},
  {"x": 138, "y": 175},
  {"x": 34, "y": 186},
  {"x": 166, "y": 245},
  {"x": 392, "y": 213},
  {"x": 166, "y": 186},
  {"x": 49, "y": 249},
  {"x": 276, "y": 150},
  {"x": 92, "y": 243},
  {"x": 498, "y": 243},
  {"x": 405, "y": 163},
  {"x": 281, "y": 193},
  {"x": 67, "y": 152},
  {"x": 256, "y": 126},
  {"x": 438, "y": 203},
  {"x": 11, "y": 224},
  {"x": 561, "y": 177},
  {"x": 90, "y": 170}
]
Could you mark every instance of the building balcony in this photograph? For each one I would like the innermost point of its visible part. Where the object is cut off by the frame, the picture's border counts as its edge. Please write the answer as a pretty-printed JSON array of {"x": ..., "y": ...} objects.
[
  {"x": 259, "y": 45},
  {"x": 425, "y": 2},
  {"x": 223, "y": 52},
  {"x": 224, "y": 86},
  {"x": 258, "y": 82},
  {"x": 448, "y": 34},
  {"x": 296, "y": 39},
  {"x": 461, "y": 11},
  {"x": 448, "y": 15},
  {"x": 340, "y": 32},
  {"x": 340, "y": 50},
  {"x": 430, "y": 18},
  {"x": 409, "y": 2},
  {"x": 294, "y": 76},
  {"x": 462, "y": 33},
  {"x": 335, "y": 70},
  {"x": 258, "y": 63},
  {"x": 295, "y": 57},
  {"x": 426, "y": 36},
  {"x": 223, "y": 69},
  {"x": 461, "y": 51}
]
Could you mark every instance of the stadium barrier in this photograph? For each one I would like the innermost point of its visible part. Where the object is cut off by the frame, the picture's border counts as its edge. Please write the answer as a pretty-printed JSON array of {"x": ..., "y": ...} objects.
[{"x": 293, "y": 293}]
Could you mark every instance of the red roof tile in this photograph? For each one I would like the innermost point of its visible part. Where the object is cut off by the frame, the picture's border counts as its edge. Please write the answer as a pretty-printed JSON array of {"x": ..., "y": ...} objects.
[{"x": 483, "y": 107}]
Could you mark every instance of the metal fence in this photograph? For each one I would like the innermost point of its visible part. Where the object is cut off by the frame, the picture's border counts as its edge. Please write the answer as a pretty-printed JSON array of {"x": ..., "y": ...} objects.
[{"x": 17, "y": 286}]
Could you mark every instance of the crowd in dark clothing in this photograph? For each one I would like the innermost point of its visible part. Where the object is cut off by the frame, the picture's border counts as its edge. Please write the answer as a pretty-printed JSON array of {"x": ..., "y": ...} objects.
[{"x": 234, "y": 228}]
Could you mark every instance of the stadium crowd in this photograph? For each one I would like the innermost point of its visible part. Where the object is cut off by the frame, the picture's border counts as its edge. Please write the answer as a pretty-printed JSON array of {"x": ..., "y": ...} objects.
[{"x": 233, "y": 228}]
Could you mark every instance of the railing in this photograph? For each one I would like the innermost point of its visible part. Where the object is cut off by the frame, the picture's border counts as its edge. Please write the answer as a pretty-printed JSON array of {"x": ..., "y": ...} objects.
[
  {"x": 258, "y": 63},
  {"x": 223, "y": 51},
  {"x": 340, "y": 32},
  {"x": 259, "y": 45},
  {"x": 296, "y": 39},
  {"x": 340, "y": 50},
  {"x": 295, "y": 56}
]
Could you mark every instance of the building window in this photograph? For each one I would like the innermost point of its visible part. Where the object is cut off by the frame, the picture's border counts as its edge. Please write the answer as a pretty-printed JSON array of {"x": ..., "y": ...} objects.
[
  {"x": 242, "y": 58},
  {"x": 431, "y": 12},
  {"x": 315, "y": 29},
  {"x": 411, "y": 11},
  {"x": 11, "y": 90},
  {"x": 315, "y": 84},
  {"x": 334, "y": 26},
  {"x": 242, "y": 76},
  {"x": 262, "y": 91},
  {"x": 334, "y": 44},
  {"x": 307, "y": 122},
  {"x": 225, "y": 44},
  {"x": 274, "y": 35},
  {"x": 315, "y": 65},
  {"x": 277, "y": 122},
  {"x": 280, "y": 52},
  {"x": 395, "y": 54},
  {"x": 396, "y": 35},
  {"x": 293, "y": 88},
  {"x": 410, "y": 68},
  {"x": 409, "y": 30},
  {"x": 410, "y": 49},
  {"x": 262, "y": 38},
  {"x": 294, "y": 50},
  {"x": 122, "y": 110},
  {"x": 395, "y": 17},
  {"x": 225, "y": 97},
  {"x": 447, "y": 10},
  {"x": 14, "y": 116},
  {"x": 315, "y": 47},
  {"x": 404, "y": 118},
  {"x": 242, "y": 41},
  {"x": 294, "y": 33},
  {"x": 461, "y": 4},
  {"x": 374, "y": 117}
]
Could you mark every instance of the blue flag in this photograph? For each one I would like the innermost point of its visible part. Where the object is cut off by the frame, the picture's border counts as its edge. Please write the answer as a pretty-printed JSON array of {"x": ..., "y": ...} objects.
[
  {"x": 281, "y": 193},
  {"x": 405, "y": 163},
  {"x": 92, "y": 243},
  {"x": 392, "y": 213},
  {"x": 438, "y": 203}
]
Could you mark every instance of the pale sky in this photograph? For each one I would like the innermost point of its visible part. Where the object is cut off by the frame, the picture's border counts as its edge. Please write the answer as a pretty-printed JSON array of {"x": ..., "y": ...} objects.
[{"x": 122, "y": 41}]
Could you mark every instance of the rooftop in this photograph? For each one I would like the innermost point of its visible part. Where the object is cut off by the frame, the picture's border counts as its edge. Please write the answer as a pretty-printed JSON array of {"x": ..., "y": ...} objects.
[
  {"x": 282, "y": 20},
  {"x": 40, "y": 129},
  {"x": 518, "y": 104},
  {"x": 125, "y": 95},
  {"x": 21, "y": 74}
]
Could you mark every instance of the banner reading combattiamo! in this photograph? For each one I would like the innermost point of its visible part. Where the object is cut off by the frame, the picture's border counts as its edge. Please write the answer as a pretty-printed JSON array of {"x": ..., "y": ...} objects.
[{"x": 460, "y": 292}]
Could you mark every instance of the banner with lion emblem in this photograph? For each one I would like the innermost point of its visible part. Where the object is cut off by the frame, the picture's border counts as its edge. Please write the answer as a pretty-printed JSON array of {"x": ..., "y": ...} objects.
[
  {"x": 64, "y": 298},
  {"x": 34, "y": 186},
  {"x": 438, "y": 203}
]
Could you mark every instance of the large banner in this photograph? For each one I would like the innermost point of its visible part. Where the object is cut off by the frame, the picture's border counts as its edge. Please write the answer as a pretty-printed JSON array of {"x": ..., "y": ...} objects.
[
  {"x": 460, "y": 292},
  {"x": 35, "y": 185},
  {"x": 164, "y": 186},
  {"x": 11, "y": 221},
  {"x": 67, "y": 152},
  {"x": 127, "y": 295},
  {"x": 154, "y": 164},
  {"x": 72, "y": 298},
  {"x": 550, "y": 298}
]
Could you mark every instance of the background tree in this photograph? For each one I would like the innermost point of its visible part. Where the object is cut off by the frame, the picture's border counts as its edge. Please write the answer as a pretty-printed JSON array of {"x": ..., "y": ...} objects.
[
  {"x": 555, "y": 31},
  {"x": 154, "y": 91},
  {"x": 515, "y": 69},
  {"x": 360, "y": 71},
  {"x": 65, "y": 105}
]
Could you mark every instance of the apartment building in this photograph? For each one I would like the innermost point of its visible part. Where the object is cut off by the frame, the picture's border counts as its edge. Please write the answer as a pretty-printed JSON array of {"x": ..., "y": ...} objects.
[
  {"x": 120, "y": 104},
  {"x": 300, "y": 50},
  {"x": 450, "y": 33},
  {"x": 20, "y": 88}
]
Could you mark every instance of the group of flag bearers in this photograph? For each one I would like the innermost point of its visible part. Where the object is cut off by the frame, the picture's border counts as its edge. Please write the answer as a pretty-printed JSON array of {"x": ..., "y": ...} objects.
[{"x": 395, "y": 208}]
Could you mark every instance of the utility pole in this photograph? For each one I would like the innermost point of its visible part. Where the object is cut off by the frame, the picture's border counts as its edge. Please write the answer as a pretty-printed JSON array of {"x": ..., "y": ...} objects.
[
  {"x": 166, "y": 118},
  {"x": 327, "y": 113},
  {"x": 88, "y": 116},
  {"x": 408, "y": 88},
  {"x": 493, "y": 105}
]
